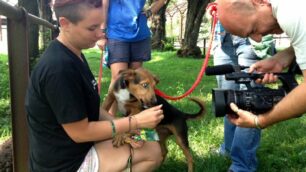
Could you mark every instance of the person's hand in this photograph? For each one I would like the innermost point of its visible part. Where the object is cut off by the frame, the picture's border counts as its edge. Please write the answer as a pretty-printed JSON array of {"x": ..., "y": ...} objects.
[
  {"x": 134, "y": 143},
  {"x": 267, "y": 66},
  {"x": 211, "y": 8},
  {"x": 149, "y": 118},
  {"x": 242, "y": 118},
  {"x": 148, "y": 13},
  {"x": 102, "y": 43}
]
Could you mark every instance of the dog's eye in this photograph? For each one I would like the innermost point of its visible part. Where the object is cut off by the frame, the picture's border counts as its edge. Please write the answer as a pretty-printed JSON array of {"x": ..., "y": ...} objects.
[{"x": 145, "y": 85}]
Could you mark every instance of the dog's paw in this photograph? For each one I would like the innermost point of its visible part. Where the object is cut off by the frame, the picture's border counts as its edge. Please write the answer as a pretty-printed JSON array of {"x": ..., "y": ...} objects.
[{"x": 119, "y": 140}]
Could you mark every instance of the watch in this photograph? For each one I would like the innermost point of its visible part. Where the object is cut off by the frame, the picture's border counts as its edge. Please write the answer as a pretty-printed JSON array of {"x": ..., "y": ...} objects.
[{"x": 148, "y": 13}]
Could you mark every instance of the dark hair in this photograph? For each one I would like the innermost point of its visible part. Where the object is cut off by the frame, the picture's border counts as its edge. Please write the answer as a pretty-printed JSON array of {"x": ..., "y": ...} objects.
[{"x": 74, "y": 10}]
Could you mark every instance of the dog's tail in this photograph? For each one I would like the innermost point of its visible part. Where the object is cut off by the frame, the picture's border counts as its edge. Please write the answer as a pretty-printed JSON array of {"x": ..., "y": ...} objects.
[{"x": 200, "y": 113}]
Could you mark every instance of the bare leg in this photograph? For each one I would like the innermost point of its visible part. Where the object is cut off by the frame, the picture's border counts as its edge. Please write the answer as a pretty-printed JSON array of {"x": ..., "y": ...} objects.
[
  {"x": 148, "y": 158},
  {"x": 135, "y": 65},
  {"x": 111, "y": 159}
]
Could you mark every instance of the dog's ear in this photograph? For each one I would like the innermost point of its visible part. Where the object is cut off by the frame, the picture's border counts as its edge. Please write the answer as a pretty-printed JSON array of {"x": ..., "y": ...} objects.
[
  {"x": 121, "y": 83},
  {"x": 156, "y": 79},
  {"x": 122, "y": 71},
  {"x": 125, "y": 76}
]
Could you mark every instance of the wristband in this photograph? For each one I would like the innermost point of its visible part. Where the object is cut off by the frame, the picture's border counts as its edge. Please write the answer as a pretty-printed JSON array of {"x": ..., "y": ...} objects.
[
  {"x": 148, "y": 13},
  {"x": 257, "y": 122},
  {"x": 113, "y": 128}
]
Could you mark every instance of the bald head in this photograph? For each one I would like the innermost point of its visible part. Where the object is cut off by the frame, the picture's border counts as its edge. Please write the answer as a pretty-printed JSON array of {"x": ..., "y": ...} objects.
[
  {"x": 236, "y": 5},
  {"x": 248, "y": 18},
  {"x": 232, "y": 14}
]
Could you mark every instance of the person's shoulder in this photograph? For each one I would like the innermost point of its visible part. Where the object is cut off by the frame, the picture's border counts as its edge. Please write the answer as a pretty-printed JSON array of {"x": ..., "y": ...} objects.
[
  {"x": 57, "y": 52},
  {"x": 55, "y": 58},
  {"x": 55, "y": 49}
]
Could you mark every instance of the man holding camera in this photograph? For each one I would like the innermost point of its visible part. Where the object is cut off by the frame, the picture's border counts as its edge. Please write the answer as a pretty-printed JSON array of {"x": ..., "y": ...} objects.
[
  {"x": 256, "y": 18},
  {"x": 239, "y": 143}
]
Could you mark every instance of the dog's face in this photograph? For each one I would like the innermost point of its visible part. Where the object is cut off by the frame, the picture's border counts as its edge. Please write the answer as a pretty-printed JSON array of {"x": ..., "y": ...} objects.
[{"x": 136, "y": 84}]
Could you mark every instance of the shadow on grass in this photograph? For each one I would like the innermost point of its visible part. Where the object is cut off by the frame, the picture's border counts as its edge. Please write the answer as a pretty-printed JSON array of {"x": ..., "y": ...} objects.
[{"x": 209, "y": 163}]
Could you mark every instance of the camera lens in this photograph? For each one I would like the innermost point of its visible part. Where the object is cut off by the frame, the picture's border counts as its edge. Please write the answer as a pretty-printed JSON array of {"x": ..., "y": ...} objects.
[{"x": 218, "y": 100}]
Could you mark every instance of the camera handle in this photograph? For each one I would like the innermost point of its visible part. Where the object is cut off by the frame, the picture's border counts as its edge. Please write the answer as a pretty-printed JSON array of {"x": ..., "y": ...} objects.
[{"x": 287, "y": 79}]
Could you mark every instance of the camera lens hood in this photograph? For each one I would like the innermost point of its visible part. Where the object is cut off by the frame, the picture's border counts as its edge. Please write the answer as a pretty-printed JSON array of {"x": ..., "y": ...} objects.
[{"x": 218, "y": 102}]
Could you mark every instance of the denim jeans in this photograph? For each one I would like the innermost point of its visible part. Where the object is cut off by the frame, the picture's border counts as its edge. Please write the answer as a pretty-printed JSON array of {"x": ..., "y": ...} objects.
[{"x": 240, "y": 143}]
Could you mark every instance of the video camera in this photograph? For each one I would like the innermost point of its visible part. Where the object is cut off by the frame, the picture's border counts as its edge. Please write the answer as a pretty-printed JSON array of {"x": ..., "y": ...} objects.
[{"x": 254, "y": 99}]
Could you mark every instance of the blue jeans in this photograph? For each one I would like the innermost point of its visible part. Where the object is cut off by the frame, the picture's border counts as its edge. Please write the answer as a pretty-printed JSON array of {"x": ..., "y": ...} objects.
[{"x": 240, "y": 143}]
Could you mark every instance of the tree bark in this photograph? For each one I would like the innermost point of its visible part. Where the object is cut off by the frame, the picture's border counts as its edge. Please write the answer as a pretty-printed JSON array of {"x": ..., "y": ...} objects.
[
  {"x": 195, "y": 13},
  {"x": 32, "y": 7},
  {"x": 46, "y": 13},
  {"x": 158, "y": 28}
]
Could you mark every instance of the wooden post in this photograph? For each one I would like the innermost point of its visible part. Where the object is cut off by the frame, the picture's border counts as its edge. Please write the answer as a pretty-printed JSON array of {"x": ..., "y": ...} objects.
[{"x": 19, "y": 74}]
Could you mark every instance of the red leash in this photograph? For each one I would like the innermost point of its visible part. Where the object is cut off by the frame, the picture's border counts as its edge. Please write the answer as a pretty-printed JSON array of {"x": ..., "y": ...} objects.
[
  {"x": 100, "y": 72},
  {"x": 213, "y": 12}
]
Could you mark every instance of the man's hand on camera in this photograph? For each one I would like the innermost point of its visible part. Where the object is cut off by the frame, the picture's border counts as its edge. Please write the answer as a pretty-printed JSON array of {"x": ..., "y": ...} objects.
[
  {"x": 242, "y": 118},
  {"x": 268, "y": 66}
]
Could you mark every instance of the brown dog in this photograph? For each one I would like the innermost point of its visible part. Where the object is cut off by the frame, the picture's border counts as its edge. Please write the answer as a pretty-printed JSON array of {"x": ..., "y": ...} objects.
[
  {"x": 140, "y": 82},
  {"x": 134, "y": 92}
]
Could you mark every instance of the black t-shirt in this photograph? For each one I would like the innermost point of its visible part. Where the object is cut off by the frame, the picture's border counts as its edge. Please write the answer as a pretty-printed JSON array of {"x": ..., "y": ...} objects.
[{"x": 61, "y": 90}]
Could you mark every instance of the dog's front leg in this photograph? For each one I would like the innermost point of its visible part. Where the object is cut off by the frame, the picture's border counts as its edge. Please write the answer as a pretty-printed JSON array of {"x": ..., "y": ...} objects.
[
  {"x": 120, "y": 139},
  {"x": 109, "y": 100}
]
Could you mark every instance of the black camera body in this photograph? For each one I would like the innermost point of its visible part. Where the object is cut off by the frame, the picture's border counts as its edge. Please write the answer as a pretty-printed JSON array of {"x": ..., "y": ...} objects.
[{"x": 254, "y": 99}]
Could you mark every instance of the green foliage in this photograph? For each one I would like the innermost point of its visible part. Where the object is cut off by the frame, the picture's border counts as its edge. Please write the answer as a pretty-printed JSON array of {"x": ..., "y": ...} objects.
[
  {"x": 169, "y": 44},
  {"x": 5, "y": 111},
  {"x": 5, "y": 118},
  {"x": 4, "y": 77}
]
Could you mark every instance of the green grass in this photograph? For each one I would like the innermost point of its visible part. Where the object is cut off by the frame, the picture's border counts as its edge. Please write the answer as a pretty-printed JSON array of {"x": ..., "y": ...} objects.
[{"x": 283, "y": 146}]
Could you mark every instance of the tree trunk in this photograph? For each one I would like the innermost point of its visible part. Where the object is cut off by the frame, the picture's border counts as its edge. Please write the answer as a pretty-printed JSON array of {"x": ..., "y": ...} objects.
[
  {"x": 32, "y": 7},
  {"x": 158, "y": 28},
  {"x": 195, "y": 13},
  {"x": 45, "y": 13}
]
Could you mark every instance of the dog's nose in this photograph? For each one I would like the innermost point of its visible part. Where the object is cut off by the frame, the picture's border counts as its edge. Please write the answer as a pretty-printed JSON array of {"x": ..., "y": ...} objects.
[{"x": 154, "y": 101}]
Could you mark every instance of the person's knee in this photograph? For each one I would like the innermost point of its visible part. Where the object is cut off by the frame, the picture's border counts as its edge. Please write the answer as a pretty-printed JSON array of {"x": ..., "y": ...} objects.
[
  {"x": 156, "y": 155},
  {"x": 114, "y": 77}
]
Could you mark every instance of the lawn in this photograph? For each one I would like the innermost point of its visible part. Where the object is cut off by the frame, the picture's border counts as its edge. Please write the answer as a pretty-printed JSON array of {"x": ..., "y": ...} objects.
[{"x": 283, "y": 146}]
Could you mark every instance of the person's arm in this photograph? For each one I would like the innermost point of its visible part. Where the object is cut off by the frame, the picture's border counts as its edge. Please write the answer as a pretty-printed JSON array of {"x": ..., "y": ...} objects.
[
  {"x": 102, "y": 42},
  {"x": 105, "y": 4},
  {"x": 285, "y": 57},
  {"x": 277, "y": 63},
  {"x": 85, "y": 131},
  {"x": 292, "y": 105},
  {"x": 155, "y": 7}
]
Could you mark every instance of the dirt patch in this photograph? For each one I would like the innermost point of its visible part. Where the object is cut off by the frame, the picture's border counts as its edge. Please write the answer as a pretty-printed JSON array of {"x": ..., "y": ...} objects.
[{"x": 6, "y": 160}]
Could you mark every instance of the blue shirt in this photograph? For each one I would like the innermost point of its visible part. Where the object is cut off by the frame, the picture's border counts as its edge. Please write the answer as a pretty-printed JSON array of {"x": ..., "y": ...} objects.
[{"x": 126, "y": 21}]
